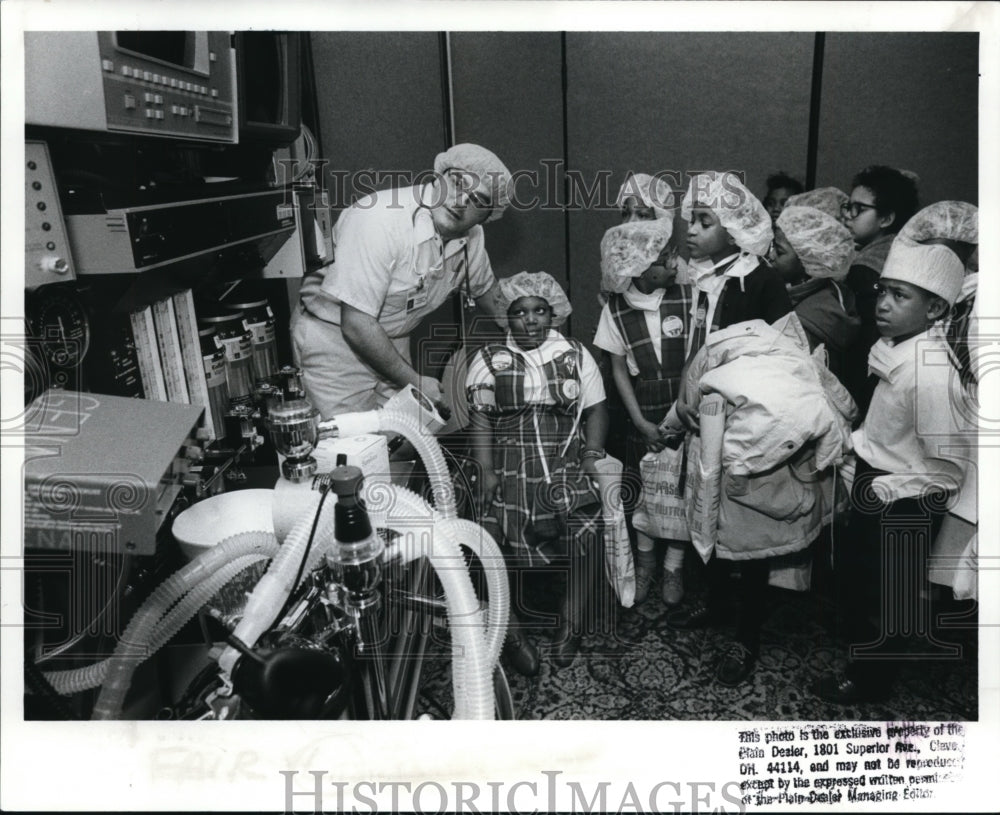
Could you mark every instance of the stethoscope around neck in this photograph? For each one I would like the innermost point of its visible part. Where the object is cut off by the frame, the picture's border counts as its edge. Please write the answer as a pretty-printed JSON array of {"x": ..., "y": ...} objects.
[{"x": 468, "y": 301}]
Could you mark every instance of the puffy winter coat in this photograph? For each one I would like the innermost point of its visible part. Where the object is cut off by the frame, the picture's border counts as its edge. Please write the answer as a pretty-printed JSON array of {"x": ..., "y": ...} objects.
[{"x": 788, "y": 422}]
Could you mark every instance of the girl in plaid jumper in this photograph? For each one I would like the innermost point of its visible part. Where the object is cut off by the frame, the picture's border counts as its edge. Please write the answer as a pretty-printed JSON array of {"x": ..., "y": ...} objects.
[
  {"x": 644, "y": 327},
  {"x": 539, "y": 421}
]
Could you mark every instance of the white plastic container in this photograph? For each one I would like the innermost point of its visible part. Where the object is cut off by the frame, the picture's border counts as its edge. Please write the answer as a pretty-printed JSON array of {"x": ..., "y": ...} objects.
[{"x": 204, "y": 524}]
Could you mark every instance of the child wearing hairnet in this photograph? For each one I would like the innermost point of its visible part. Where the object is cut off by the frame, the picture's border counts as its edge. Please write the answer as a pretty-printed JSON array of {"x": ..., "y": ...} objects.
[
  {"x": 954, "y": 224},
  {"x": 642, "y": 197},
  {"x": 812, "y": 252},
  {"x": 728, "y": 233},
  {"x": 643, "y": 327},
  {"x": 539, "y": 423},
  {"x": 910, "y": 452}
]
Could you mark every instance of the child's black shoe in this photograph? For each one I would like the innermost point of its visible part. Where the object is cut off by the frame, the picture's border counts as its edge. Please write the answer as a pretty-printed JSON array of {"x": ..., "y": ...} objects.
[
  {"x": 520, "y": 654},
  {"x": 565, "y": 646},
  {"x": 697, "y": 615},
  {"x": 842, "y": 690},
  {"x": 644, "y": 579},
  {"x": 736, "y": 665}
]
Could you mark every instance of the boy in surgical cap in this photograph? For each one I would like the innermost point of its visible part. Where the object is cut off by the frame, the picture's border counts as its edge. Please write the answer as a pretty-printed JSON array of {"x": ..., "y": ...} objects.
[
  {"x": 539, "y": 422},
  {"x": 644, "y": 327},
  {"x": 955, "y": 224},
  {"x": 910, "y": 460},
  {"x": 882, "y": 200},
  {"x": 812, "y": 252}
]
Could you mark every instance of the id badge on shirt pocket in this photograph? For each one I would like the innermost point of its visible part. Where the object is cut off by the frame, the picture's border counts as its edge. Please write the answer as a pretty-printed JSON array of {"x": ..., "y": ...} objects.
[{"x": 416, "y": 298}]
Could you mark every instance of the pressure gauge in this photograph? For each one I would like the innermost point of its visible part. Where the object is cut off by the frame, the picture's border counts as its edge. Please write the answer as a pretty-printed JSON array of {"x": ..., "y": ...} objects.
[{"x": 60, "y": 323}]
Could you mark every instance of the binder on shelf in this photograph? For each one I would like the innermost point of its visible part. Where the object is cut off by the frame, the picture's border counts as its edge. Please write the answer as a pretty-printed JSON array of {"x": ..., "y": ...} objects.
[
  {"x": 112, "y": 366},
  {"x": 147, "y": 351},
  {"x": 124, "y": 377},
  {"x": 194, "y": 366},
  {"x": 170, "y": 350}
]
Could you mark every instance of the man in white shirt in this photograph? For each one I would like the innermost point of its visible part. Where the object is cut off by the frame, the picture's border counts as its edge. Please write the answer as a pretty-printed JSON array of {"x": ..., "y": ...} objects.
[{"x": 399, "y": 254}]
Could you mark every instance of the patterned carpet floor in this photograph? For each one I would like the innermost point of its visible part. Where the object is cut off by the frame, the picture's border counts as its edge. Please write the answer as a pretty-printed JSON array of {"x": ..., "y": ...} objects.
[{"x": 632, "y": 666}]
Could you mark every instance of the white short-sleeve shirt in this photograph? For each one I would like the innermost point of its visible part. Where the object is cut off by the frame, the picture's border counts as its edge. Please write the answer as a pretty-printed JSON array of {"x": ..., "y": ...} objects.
[
  {"x": 610, "y": 339},
  {"x": 535, "y": 384},
  {"x": 390, "y": 263}
]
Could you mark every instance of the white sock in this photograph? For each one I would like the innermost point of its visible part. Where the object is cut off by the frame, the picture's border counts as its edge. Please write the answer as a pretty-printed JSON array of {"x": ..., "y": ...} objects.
[
  {"x": 674, "y": 559},
  {"x": 644, "y": 543}
]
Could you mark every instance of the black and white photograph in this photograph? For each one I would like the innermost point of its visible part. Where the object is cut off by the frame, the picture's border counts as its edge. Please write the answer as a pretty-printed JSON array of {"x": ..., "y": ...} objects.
[{"x": 499, "y": 406}]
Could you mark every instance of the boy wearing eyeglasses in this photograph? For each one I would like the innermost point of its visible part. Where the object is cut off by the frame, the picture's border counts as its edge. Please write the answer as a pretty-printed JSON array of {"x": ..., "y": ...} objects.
[
  {"x": 906, "y": 473},
  {"x": 882, "y": 200}
]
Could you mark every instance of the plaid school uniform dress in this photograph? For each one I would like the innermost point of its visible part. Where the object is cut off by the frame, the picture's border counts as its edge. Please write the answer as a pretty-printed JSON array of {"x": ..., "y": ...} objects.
[
  {"x": 544, "y": 498},
  {"x": 658, "y": 382}
]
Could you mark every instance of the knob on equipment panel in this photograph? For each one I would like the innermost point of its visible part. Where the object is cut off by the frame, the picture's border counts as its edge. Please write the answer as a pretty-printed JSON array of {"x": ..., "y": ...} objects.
[{"x": 47, "y": 256}]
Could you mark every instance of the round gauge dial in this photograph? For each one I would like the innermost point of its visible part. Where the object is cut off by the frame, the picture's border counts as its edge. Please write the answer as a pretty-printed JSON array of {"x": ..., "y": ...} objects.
[{"x": 61, "y": 323}]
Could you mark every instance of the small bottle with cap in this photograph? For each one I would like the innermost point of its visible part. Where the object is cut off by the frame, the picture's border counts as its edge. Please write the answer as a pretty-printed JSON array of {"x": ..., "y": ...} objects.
[{"x": 356, "y": 559}]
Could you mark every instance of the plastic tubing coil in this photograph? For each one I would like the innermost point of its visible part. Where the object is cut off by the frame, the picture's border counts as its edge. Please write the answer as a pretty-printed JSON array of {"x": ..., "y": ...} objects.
[
  {"x": 119, "y": 669},
  {"x": 259, "y": 544},
  {"x": 430, "y": 453},
  {"x": 271, "y": 591},
  {"x": 472, "y": 672},
  {"x": 75, "y": 681},
  {"x": 485, "y": 547},
  {"x": 134, "y": 645}
]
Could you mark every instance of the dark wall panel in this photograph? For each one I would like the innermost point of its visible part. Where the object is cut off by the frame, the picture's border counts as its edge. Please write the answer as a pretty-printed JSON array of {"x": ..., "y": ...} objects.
[
  {"x": 648, "y": 102},
  {"x": 653, "y": 102},
  {"x": 508, "y": 97},
  {"x": 907, "y": 100},
  {"x": 381, "y": 105},
  {"x": 380, "y": 102}
]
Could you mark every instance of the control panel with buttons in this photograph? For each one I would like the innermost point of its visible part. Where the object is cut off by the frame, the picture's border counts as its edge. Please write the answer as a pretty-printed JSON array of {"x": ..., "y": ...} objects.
[
  {"x": 47, "y": 256},
  {"x": 189, "y": 94},
  {"x": 171, "y": 103}
]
